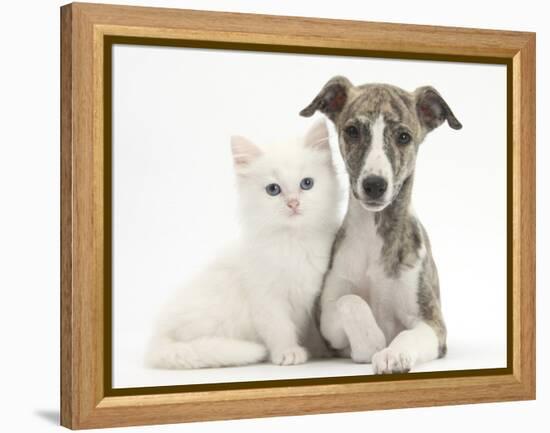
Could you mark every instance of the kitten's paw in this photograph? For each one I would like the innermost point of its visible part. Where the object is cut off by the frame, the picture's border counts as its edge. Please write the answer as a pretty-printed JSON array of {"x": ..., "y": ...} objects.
[
  {"x": 289, "y": 356},
  {"x": 389, "y": 361}
]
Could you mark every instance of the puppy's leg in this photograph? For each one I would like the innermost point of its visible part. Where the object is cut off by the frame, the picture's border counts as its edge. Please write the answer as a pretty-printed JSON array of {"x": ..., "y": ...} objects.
[
  {"x": 332, "y": 327},
  {"x": 314, "y": 342},
  {"x": 410, "y": 347},
  {"x": 364, "y": 335},
  {"x": 347, "y": 321}
]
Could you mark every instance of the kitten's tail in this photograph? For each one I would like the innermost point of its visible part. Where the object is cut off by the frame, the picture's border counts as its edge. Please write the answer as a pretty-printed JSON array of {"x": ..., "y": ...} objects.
[{"x": 203, "y": 352}]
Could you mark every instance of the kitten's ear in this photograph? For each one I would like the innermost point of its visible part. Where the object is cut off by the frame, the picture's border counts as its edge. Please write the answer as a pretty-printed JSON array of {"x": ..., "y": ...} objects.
[
  {"x": 244, "y": 151},
  {"x": 317, "y": 136}
]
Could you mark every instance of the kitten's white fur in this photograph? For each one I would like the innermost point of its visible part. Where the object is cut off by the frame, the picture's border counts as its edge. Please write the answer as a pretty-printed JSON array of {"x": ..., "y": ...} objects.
[{"x": 256, "y": 300}]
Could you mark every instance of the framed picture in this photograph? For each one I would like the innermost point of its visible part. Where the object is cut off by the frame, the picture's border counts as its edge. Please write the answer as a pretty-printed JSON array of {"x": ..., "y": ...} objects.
[{"x": 237, "y": 224}]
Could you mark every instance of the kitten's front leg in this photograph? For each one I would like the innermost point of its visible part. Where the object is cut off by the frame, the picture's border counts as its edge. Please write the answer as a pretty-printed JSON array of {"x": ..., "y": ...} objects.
[{"x": 276, "y": 328}]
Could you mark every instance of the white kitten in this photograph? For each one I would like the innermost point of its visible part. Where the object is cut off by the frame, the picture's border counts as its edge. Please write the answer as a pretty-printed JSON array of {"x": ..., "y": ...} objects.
[{"x": 257, "y": 299}]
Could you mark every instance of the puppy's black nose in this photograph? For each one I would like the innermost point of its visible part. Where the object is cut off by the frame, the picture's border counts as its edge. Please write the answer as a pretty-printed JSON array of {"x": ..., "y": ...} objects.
[{"x": 374, "y": 186}]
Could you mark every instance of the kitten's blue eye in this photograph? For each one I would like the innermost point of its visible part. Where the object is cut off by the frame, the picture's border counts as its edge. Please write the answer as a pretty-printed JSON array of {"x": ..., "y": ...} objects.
[
  {"x": 306, "y": 183},
  {"x": 273, "y": 189}
]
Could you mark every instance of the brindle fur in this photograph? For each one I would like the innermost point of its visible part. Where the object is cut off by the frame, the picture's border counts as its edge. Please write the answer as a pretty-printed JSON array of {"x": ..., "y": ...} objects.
[{"x": 403, "y": 235}]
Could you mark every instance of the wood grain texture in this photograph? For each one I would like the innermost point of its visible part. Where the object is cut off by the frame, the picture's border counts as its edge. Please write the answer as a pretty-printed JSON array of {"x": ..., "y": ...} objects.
[
  {"x": 84, "y": 403},
  {"x": 82, "y": 207},
  {"x": 524, "y": 219},
  {"x": 67, "y": 385},
  {"x": 310, "y": 32}
]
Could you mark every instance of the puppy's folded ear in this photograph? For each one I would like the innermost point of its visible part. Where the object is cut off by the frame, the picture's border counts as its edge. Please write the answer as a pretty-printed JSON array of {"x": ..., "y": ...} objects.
[
  {"x": 331, "y": 99},
  {"x": 432, "y": 110}
]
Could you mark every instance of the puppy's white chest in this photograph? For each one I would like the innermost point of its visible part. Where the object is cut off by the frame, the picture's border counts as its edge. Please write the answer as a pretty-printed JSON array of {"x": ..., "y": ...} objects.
[
  {"x": 360, "y": 251},
  {"x": 393, "y": 299}
]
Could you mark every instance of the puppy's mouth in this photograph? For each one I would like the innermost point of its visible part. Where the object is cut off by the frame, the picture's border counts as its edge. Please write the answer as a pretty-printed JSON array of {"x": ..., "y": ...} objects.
[
  {"x": 371, "y": 205},
  {"x": 374, "y": 205}
]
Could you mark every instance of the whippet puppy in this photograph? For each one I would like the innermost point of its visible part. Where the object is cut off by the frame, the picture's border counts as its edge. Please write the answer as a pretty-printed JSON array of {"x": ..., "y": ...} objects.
[{"x": 380, "y": 301}]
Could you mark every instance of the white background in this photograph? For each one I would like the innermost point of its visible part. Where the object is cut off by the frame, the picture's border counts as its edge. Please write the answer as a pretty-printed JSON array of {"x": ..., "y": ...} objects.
[
  {"x": 29, "y": 229},
  {"x": 174, "y": 197}
]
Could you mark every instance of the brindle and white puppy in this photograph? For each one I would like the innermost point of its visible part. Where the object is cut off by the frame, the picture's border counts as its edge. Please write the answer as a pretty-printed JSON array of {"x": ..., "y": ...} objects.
[{"x": 382, "y": 286}]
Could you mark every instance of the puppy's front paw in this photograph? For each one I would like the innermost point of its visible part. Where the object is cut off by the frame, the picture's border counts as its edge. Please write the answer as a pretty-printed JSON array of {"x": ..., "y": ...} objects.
[
  {"x": 289, "y": 356},
  {"x": 363, "y": 355},
  {"x": 389, "y": 361},
  {"x": 373, "y": 343}
]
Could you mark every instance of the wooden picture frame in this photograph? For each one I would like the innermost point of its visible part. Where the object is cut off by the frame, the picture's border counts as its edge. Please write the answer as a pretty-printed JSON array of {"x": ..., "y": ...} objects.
[{"x": 87, "y": 34}]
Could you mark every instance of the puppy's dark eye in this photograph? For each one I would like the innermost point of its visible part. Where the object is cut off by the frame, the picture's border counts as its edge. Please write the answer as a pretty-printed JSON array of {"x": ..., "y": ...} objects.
[
  {"x": 404, "y": 138},
  {"x": 273, "y": 189},
  {"x": 306, "y": 183},
  {"x": 352, "y": 131}
]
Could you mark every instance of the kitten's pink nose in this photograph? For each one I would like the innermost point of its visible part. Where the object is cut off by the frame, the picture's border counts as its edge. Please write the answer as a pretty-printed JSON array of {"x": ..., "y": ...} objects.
[{"x": 293, "y": 203}]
